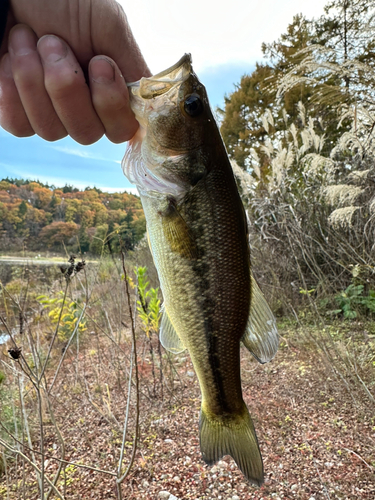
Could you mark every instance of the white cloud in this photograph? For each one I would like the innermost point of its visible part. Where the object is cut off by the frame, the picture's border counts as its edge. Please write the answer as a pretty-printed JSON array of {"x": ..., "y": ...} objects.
[
  {"x": 214, "y": 33},
  {"x": 6, "y": 165},
  {"x": 82, "y": 153}
]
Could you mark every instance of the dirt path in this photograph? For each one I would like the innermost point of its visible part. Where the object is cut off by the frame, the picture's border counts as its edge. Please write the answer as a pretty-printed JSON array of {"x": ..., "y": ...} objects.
[{"x": 315, "y": 443}]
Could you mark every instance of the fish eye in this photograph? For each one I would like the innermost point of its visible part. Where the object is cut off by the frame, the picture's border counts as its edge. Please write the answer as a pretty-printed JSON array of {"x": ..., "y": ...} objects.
[{"x": 193, "y": 105}]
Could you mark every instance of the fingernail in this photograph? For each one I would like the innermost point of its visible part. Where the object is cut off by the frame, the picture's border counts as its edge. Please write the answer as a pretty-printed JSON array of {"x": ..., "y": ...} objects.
[
  {"x": 5, "y": 65},
  {"x": 51, "y": 49},
  {"x": 21, "y": 41},
  {"x": 102, "y": 70}
]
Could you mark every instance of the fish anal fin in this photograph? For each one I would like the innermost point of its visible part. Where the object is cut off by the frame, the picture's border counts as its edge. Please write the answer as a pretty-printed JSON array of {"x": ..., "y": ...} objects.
[
  {"x": 261, "y": 337},
  {"x": 169, "y": 338}
]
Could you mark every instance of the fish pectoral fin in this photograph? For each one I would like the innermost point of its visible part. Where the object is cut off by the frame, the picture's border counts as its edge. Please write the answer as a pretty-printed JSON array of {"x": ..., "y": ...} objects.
[
  {"x": 169, "y": 338},
  {"x": 261, "y": 337},
  {"x": 178, "y": 233}
]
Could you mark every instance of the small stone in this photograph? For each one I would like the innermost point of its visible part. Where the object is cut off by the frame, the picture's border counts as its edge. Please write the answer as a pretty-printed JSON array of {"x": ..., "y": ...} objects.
[
  {"x": 164, "y": 494},
  {"x": 172, "y": 497},
  {"x": 164, "y": 476},
  {"x": 222, "y": 464},
  {"x": 312, "y": 498},
  {"x": 145, "y": 484},
  {"x": 214, "y": 476},
  {"x": 235, "y": 497},
  {"x": 294, "y": 487},
  {"x": 168, "y": 440},
  {"x": 158, "y": 421},
  {"x": 177, "y": 479},
  {"x": 190, "y": 374}
]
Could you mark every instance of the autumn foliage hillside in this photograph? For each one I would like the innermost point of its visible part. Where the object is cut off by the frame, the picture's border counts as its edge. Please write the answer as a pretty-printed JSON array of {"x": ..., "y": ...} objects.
[{"x": 37, "y": 217}]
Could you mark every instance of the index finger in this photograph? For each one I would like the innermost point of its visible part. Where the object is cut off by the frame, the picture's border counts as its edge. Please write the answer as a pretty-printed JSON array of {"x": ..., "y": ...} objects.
[{"x": 115, "y": 39}]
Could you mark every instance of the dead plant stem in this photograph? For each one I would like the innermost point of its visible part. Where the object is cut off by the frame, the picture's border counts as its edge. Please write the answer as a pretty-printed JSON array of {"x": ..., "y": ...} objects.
[
  {"x": 134, "y": 349},
  {"x": 56, "y": 332}
]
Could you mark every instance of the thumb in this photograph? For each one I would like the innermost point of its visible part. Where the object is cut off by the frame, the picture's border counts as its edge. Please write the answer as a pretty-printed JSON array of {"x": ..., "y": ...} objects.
[{"x": 112, "y": 36}]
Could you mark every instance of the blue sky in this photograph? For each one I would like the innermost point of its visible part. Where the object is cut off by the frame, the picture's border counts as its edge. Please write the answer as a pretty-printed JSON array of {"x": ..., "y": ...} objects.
[
  {"x": 63, "y": 162},
  {"x": 225, "y": 42},
  {"x": 67, "y": 162}
]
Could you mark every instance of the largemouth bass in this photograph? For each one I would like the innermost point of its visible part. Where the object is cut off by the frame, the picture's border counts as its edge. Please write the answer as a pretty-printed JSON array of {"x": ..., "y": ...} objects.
[{"x": 198, "y": 236}]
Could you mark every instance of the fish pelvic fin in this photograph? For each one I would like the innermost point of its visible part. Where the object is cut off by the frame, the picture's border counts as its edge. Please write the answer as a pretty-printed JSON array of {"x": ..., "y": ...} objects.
[
  {"x": 236, "y": 438},
  {"x": 169, "y": 338}
]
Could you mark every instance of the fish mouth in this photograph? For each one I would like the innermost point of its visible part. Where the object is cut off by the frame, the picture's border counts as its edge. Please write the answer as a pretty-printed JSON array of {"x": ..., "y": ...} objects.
[{"x": 163, "y": 82}]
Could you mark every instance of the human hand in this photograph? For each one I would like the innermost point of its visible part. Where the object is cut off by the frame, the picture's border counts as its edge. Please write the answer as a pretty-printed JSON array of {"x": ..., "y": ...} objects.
[{"x": 43, "y": 87}]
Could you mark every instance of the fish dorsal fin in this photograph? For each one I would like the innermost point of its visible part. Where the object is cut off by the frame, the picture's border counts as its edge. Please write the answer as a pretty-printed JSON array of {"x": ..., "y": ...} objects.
[
  {"x": 261, "y": 337},
  {"x": 168, "y": 335}
]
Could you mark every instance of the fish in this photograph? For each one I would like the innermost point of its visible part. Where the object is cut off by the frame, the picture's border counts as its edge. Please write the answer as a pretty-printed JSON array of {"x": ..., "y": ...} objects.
[{"x": 198, "y": 235}]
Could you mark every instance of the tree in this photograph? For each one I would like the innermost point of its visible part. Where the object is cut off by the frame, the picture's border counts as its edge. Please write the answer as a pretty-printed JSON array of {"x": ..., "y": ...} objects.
[
  {"x": 68, "y": 188},
  {"x": 83, "y": 239},
  {"x": 245, "y": 125},
  {"x": 347, "y": 27},
  {"x": 242, "y": 127},
  {"x": 340, "y": 61},
  {"x": 27, "y": 210},
  {"x": 22, "y": 209},
  {"x": 57, "y": 233}
]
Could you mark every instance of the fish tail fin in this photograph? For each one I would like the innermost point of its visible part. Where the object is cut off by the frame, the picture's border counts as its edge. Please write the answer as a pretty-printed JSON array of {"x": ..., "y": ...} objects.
[{"x": 236, "y": 438}]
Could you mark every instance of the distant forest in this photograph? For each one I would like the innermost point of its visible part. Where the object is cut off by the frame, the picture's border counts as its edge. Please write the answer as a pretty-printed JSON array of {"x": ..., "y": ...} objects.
[{"x": 35, "y": 216}]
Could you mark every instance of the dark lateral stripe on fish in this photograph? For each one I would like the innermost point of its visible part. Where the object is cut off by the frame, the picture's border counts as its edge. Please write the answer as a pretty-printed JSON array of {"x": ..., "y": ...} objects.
[{"x": 214, "y": 363}]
